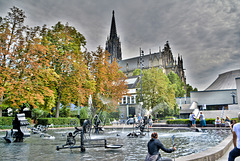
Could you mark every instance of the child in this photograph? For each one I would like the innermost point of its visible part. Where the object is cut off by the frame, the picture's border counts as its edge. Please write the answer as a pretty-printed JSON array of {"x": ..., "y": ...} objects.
[{"x": 217, "y": 122}]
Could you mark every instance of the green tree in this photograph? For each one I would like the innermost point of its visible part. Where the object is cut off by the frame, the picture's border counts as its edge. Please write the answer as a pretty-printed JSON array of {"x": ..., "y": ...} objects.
[
  {"x": 157, "y": 91},
  {"x": 64, "y": 45},
  {"x": 136, "y": 72},
  {"x": 190, "y": 89},
  {"x": 177, "y": 84}
]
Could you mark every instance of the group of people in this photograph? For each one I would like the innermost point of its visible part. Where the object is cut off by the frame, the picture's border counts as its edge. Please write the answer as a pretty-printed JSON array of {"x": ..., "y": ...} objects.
[
  {"x": 145, "y": 119},
  {"x": 218, "y": 122},
  {"x": 224, "y": 122},
  {"x": 193, "y": 118}
]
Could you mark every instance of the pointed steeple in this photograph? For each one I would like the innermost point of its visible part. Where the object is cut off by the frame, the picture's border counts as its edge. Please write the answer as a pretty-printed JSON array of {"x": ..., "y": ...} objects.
[
  {"x": 113, "y": 31},
  {"x": 113, "y": 45}
]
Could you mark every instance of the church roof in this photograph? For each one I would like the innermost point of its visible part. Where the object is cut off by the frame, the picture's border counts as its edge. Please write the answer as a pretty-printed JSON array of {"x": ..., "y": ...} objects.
[
  {"x": 133, "y": 63},
  {"x": 225, "y": 81}
]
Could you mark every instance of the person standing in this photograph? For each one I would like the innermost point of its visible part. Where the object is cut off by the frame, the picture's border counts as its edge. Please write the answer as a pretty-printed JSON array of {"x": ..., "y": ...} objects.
[
  {"x": 139, "y": 118},
  {"x": 236, "y": 142},
  {"x": 202, "y": 119},
  {"x": 135, "y": 119},
  {"x": 193, "y": 120},
  {"x": 190, "y": 119},
  {"x": 150, "y": 122},
  {"x": 153, "y": 149}
]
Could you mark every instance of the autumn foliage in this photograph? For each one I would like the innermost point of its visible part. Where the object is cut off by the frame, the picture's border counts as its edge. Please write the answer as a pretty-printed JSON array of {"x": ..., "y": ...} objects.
[{"x": 45, "y": 67}]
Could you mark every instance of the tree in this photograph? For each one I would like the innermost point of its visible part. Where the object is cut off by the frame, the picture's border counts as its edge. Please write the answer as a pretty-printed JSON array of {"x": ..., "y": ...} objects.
[
  {"x": 177, "y": 84},
  {"x": 21, "y": 64},
  {"x": 189, "y": 89},
  {"x": 136, "y": 72},
  {"x": 157, "y": 91},
  {"x": 64, "y": 45},
  {"x": 110, "y": 82}
]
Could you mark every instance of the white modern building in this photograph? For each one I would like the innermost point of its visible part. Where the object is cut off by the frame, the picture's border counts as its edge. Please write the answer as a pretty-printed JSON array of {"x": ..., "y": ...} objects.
[{"x": 219, "y": 99}]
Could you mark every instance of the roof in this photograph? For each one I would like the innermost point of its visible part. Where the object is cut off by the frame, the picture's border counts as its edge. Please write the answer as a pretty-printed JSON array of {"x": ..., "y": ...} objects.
[
  {"x": 132, "y": 82},
  {"x": 133, "y": 63},
  {"x": 225, "y": 81}
]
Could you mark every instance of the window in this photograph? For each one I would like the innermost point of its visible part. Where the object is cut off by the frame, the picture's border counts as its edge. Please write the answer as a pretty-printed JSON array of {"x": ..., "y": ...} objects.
[
  {"x": 124, "y": 100},
  {"x": 128, "y": 100},
  {"x": 132, "y": 99}
]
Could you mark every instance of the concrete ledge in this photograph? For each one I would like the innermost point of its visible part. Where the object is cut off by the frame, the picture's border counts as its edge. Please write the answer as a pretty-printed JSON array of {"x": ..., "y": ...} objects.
[
  {"x": 178, "y": 125},
  {"x": 211, "y": 154}
]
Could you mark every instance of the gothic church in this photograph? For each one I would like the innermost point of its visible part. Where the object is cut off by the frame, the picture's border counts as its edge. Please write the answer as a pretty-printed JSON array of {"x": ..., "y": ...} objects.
[{"x": 162, "y": 59}]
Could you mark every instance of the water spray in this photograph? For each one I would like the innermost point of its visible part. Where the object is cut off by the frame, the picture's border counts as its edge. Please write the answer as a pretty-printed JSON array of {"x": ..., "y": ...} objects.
[{"x": 173, "y": 137}]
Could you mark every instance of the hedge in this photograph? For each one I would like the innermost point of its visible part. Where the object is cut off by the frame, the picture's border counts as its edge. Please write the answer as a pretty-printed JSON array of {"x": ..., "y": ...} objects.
[
  {"x": 186, "y": 121},
  {"x": 62, "y": 121},
  {"x": 6, "y": 122}
]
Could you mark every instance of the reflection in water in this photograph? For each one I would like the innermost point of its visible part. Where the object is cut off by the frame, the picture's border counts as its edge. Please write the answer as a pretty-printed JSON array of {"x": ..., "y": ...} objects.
[{"x": 38, "y": 149}]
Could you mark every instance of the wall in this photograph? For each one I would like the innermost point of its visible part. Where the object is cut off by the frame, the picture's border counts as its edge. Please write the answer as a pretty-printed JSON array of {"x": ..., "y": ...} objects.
[
  {"x": 238, "y": 88},
  {"x": 216, "y": 97}
]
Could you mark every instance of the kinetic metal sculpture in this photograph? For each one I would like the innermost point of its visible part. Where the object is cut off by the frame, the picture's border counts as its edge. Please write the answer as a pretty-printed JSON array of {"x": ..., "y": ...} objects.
[
  {"x": 71, "y": 141},
  {"x": 19, "y": 131},
  {"x": 98, "y": 122}
]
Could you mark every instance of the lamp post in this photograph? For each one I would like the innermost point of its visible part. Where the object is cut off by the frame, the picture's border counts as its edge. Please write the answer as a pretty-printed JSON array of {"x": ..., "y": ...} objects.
[
  {"x": 233, "y": 95},
  {"x": 141, "y": 67}
]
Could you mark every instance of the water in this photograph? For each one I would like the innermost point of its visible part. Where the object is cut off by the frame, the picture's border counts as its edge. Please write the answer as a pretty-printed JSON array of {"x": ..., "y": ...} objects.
[{"x": 38, "y": 149}]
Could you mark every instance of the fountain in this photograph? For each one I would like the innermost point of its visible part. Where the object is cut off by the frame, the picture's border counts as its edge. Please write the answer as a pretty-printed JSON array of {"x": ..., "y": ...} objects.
[
  {"x": 141, "y": 126},
  {"x": 71, "y": 141},
  {"x": 19, "y": 130},
  {"x": 187, "y": 142},
  {"x": 98, "y": 124}
]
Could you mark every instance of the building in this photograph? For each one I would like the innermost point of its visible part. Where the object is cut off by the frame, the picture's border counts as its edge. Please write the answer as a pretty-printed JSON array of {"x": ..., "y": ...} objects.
[
  {"x": 162, "y": 59},
  {"x": 219, "y": 99}
]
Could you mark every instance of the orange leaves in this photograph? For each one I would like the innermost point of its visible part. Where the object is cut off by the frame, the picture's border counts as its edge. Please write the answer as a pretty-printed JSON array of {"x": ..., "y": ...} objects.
[{"x": 109, "y": 80}]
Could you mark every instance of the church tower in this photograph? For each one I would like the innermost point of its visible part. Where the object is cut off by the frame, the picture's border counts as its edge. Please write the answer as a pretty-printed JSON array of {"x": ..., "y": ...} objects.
[{"x": 113, "y": 45}]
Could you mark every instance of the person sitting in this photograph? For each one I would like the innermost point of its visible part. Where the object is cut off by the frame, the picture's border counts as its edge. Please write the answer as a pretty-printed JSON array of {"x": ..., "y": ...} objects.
[
  {"x": 227, "y": 122},
  {"x": 217, "y": 122},
  {"x": 153, "y": 149},
  {"x": 222, "y": 123}
]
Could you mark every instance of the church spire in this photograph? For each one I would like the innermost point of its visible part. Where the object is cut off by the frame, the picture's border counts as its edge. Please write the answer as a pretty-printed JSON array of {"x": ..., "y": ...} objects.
[
  {"x": 113, "y": 45},
  {"x": 113, "y": 32}
]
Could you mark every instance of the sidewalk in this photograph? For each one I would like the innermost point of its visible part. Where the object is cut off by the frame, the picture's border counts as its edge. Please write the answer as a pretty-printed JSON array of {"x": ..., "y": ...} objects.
[{"x": 225, "y": 156}]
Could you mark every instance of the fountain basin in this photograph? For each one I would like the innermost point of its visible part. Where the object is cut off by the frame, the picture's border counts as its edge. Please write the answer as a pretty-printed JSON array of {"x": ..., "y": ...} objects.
[{"x": 36, "y": 148}]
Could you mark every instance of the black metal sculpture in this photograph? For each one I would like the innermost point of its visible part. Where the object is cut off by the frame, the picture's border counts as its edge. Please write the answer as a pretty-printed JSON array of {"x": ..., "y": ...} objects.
[
  {"x": 71, "y": 141},
  {"x": 19, "y": 130},
  {"x": 142, "y": 127},
  {"x": 98, "y": 123}
]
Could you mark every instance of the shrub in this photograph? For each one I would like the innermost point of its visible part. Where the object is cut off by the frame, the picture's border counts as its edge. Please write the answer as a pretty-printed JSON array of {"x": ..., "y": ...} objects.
[
  {"x": 6, "y": 122},
  {"x": 186, "y": 121},
  {"x": 57, "y": 121}
]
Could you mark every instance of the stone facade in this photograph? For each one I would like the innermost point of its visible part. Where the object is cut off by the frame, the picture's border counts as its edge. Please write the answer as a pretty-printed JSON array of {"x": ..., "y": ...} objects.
[{"x": 162, "y": 59}]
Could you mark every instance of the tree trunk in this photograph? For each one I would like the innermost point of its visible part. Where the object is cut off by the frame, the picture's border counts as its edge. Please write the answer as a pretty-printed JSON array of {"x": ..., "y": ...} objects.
[
  {"x": 0, "y": 106},
  {"x": 0, "y": 111},
  {"x": 58, "y": 105}
]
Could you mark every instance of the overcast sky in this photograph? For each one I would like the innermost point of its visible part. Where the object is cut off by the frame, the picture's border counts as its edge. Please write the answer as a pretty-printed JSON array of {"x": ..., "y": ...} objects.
[{"x": 205, "y": 32}]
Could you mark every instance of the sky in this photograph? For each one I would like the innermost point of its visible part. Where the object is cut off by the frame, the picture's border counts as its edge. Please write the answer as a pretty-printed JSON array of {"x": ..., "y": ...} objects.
[{"x": 205, "y": 32}]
